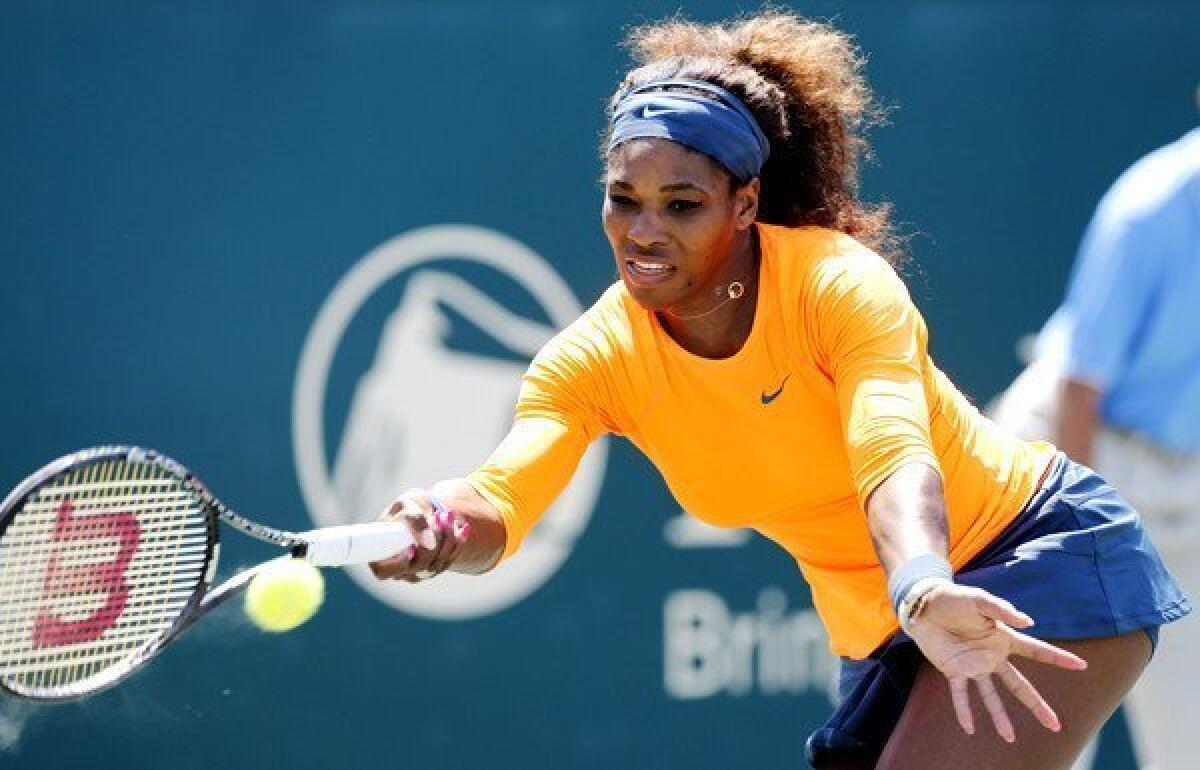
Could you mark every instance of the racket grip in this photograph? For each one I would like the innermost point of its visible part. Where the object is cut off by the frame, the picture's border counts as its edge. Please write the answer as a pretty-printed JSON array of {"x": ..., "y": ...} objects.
[{"x": 355, "y": 543}]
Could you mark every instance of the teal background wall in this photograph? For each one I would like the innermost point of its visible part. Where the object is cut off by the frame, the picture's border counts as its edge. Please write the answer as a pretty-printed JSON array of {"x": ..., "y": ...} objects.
[{"x": 183, "y": 185}]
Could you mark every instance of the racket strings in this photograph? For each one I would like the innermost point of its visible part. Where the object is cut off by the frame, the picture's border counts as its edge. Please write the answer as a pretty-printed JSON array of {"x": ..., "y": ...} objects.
[{"x": 96, "y": 566}]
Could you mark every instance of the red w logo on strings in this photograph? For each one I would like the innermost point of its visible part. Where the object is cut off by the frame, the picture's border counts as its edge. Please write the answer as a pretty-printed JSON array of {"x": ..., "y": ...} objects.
[{"x": 64, "y": 579}]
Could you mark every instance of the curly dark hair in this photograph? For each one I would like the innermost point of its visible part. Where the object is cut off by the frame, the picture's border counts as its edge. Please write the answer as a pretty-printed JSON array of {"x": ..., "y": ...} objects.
[{"x": 803, "y": 82}]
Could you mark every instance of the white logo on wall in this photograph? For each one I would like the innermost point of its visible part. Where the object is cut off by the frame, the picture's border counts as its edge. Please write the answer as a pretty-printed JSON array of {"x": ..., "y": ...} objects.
[
  {"x": 423, "y": 412},
  {"x": 710, "y": 650}
]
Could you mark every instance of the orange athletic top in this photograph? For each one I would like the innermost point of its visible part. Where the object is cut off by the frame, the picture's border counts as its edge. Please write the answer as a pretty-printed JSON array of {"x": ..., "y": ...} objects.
[{"x": 832, "y": 391}]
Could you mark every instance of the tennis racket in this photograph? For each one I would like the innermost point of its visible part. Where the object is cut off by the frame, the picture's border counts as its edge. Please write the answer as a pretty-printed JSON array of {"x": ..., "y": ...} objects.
[{"x": 108, "y": 554}]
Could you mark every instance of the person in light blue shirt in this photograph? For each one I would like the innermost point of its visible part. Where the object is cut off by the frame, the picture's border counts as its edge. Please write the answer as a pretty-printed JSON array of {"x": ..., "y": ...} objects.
[
  {"x": 1134, "y": 307},
  {"x": 1115, "y": 383}
]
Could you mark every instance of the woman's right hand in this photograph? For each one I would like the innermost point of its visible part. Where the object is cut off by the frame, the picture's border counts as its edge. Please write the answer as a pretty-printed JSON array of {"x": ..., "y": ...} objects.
[{"x": 438, "y": 538}]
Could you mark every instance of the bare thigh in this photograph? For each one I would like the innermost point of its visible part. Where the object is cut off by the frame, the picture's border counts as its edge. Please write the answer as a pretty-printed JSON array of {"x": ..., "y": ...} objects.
[{"x": 928, "y": 736}]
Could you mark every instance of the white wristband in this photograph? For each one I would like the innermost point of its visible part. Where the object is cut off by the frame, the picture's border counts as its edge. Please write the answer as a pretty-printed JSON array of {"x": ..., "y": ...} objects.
[{"x": 913, "y": 598}]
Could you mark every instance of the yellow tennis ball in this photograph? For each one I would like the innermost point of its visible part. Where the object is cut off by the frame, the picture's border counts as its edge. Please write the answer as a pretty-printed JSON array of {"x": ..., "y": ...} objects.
[{"x": 284, "y": 594}]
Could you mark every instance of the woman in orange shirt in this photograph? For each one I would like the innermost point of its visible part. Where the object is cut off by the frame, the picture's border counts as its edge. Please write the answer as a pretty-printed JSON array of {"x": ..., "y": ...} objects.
[{"x": 773, "y": 367}]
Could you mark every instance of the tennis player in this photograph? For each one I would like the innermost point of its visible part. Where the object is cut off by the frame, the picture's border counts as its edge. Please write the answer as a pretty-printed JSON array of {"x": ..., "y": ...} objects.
[{"x": 760, "y": 349}]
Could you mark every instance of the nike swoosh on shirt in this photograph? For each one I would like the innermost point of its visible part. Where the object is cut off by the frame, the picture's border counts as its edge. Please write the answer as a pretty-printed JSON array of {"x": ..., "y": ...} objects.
[{"x": 769, "y": 397}]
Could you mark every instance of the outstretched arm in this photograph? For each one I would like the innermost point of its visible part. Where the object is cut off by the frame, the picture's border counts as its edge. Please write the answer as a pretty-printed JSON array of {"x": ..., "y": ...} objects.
[
  {"x": 875, "y": 346},
  {"x": 468, "y": 525},
  {"x": 468, "y": 538},
  {"x": 471, "y": 524}
]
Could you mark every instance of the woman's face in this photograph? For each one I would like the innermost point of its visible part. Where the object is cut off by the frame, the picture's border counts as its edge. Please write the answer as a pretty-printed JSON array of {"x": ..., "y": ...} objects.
[{"x": 673, "y": 222}]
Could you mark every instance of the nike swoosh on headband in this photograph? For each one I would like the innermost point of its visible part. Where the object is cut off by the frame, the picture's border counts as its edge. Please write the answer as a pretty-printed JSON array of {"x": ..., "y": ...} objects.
[{"x": 650, "y": 111}]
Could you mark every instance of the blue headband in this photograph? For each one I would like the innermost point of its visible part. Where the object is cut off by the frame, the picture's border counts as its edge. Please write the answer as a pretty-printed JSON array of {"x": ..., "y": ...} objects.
[{"x": 723, "y": 129}]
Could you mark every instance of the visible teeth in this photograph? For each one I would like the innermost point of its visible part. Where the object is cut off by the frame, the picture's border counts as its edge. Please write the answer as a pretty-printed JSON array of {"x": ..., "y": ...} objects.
[{"x": 650, "y": 266}]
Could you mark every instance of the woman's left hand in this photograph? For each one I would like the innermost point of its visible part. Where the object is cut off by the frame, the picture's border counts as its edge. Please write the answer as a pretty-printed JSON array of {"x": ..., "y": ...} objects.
[{"x": 969, "y": 634}]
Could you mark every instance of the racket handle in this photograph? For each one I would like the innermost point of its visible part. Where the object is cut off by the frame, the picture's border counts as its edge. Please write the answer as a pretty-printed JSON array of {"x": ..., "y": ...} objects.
[{"x": 355, "y": 543}]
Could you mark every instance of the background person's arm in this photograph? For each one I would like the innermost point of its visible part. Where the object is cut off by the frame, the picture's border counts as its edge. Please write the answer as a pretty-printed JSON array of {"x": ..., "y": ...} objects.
[
  {"x": 1114, "y": 283},
  {"x": 1077, "y": 419}
]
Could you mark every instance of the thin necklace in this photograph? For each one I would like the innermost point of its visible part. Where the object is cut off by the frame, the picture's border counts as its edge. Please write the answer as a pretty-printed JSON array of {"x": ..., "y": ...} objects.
[{"x": 734, "y": 290}]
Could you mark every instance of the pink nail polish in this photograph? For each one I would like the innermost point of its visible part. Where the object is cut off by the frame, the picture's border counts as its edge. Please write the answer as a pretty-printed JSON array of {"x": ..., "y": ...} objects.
[
  {"x": 464, "y": 530},
  {"x": 442, "y": 519},
  {"x": 410, "y": 552}
]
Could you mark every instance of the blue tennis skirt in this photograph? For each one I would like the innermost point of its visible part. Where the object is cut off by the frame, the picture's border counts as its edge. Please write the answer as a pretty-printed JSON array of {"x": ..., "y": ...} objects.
[{"x": 1076, "y": 559}]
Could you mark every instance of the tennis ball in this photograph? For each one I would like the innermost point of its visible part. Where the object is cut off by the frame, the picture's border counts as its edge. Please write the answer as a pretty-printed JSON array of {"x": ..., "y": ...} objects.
[{"x": 284, "y": 594}]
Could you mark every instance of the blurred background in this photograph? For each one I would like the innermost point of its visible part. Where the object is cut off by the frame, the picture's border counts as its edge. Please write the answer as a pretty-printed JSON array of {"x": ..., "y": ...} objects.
[{"x": 275, "y": 240}]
